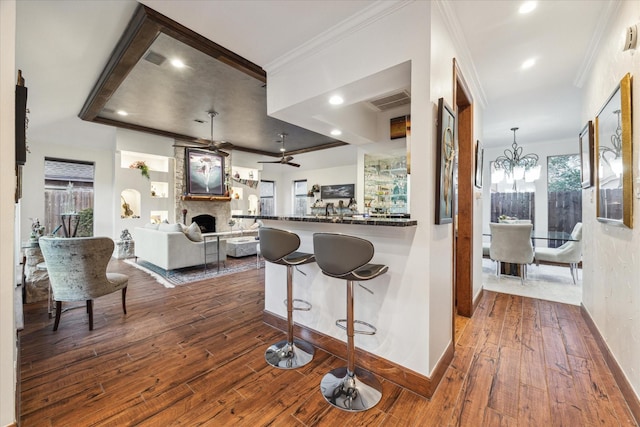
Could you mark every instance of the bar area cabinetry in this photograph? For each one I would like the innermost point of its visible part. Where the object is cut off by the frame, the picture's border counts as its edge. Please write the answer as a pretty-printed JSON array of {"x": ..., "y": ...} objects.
[{"x": 386, "y": 185}]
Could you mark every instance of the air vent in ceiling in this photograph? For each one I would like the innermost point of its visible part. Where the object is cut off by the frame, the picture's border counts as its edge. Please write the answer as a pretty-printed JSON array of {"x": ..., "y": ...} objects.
[
  {"x": 154, "y": 58},
  {"x": 391, "y": 101}
]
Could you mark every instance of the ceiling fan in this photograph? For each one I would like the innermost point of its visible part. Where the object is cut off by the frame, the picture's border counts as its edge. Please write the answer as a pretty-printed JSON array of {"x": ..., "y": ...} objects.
[
  {"x": 285, "y": 160},
  {"x": 212, "y": 145}
]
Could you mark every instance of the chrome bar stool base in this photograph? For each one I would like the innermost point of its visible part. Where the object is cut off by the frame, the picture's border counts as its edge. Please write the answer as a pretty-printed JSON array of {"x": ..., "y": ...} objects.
[
  {"x": 345, "y": 257},
  {"x": 286, "y": 355},
  {"x": 353, "y": 392}
]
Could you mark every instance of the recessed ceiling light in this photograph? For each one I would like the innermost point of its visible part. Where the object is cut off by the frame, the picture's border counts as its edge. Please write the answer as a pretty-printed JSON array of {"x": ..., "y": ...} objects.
[
  {"x": 528, "y": 63},
  {"x": 527, "y": 7},
  {"x": 336, "y": 132},
  {"x": 177, "y": 63},
  {"x": 336, "y": 100},
  {"x": 122, "y": 113}
]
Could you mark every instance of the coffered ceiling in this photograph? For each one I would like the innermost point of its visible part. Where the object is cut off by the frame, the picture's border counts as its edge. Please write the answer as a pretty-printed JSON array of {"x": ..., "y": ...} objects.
[{"x": 141, "y": 89}]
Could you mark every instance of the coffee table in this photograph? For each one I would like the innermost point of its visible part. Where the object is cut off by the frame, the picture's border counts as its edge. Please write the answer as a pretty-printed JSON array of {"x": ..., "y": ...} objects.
[{"x": 241, "y": 246}]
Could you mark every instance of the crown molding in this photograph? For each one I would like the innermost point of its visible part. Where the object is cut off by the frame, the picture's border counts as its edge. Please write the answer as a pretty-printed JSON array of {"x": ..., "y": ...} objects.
[
  {"x": 606, "y": 19},
  {"x": 377, "y": 10},
  {"x": 464, "y": 58}
]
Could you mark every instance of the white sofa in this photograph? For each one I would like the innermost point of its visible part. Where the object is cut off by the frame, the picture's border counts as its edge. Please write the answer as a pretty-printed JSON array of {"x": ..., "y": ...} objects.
[{"x": 170, "y": 249}]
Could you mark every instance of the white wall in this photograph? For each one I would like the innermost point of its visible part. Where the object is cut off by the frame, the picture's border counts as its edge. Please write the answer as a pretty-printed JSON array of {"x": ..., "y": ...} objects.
[
  {"x": 33, "y": 188},
  {"x": 393, "y": 39},
  {"x": 325, "y": 167},
  {"x": 611, "y": 259},
  {"x": 8, "y": 354}
]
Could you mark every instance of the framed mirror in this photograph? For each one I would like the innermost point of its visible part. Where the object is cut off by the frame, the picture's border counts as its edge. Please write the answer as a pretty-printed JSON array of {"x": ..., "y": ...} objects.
[{"x": 614, "y": 170}]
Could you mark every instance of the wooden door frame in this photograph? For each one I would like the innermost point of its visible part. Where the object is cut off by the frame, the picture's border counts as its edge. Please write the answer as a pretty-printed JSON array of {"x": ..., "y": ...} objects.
[{"x": 463, "y": 231}]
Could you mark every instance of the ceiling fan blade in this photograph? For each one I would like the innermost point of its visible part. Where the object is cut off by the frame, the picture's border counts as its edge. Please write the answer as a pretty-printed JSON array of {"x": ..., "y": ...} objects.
[
  {"x": 191, "y": 145},
  {"x": 274, "y": 161},
  {"x": 295, "y": 165},
  {"x": 208, "y": 147},
  {"x": 223, "y": 145}
]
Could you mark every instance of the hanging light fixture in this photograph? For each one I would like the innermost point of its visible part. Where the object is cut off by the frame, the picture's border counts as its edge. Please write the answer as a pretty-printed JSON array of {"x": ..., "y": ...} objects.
[{"x": 514, "y": 166}]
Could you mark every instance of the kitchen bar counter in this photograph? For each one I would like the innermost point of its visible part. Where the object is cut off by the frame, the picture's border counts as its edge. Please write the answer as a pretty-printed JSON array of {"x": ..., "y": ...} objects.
[
  {"x": 336, "y": 219},
  {"x": 396, "y": 302}
]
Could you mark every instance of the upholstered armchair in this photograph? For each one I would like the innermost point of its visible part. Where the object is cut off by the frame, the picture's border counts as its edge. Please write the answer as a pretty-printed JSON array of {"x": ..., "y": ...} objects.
[
  {"x": 78, "y": 271},
  {"x": 569, "y": 253},
  {"x": 511, "y": 243}
]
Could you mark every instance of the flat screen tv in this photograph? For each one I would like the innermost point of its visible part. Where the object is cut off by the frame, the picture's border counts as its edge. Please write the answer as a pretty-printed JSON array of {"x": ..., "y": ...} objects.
[{"x": 21, "y": 125}]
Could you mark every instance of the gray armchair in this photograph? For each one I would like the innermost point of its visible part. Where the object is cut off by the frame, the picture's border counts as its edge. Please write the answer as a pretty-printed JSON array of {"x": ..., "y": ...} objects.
[
  {"x": 569, "y": 253},
  {"x": 78, "y": 271},
  {"x": 511, "y": 243}
]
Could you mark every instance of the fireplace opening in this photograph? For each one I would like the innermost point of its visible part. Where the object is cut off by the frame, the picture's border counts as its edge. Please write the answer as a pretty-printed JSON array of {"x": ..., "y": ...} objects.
[{"x": 206, "y": 222}]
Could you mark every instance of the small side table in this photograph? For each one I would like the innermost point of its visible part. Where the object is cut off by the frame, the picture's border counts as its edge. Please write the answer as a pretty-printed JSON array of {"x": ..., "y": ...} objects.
[
  {"x": 124, "y": 249},
  {"x": 42, "y": 266}
]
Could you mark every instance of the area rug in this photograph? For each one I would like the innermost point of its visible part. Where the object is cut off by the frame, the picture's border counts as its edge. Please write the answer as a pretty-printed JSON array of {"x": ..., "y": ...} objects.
[
  {"x": 181, "y": 276},
  {"x": 546, "y": 282}
]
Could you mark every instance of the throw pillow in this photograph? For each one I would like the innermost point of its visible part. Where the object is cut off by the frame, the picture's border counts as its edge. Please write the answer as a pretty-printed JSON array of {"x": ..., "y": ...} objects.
[{"x": 193, "y": 232}]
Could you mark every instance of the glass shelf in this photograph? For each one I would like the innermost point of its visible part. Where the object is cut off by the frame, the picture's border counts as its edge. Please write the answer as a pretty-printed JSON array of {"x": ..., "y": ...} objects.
[{"x": 386, "y": 184}]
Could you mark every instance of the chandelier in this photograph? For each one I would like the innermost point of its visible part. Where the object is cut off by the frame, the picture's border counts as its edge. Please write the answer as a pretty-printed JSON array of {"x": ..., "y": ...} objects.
[{"x": 513, "y": 166}]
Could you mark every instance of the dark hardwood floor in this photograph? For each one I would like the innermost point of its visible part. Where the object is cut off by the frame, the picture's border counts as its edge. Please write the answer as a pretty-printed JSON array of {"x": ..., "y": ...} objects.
[{"x": 194, "y": 355}]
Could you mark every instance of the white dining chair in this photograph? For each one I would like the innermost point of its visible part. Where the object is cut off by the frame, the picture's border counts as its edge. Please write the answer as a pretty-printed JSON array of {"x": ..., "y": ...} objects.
[
  {"x": 569, "y": 253},
  {"x": 511, "y": 243}
]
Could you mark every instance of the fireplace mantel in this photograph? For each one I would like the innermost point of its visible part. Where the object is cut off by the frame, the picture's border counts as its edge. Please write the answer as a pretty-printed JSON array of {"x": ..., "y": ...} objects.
[{"x": 206, "y": 198}]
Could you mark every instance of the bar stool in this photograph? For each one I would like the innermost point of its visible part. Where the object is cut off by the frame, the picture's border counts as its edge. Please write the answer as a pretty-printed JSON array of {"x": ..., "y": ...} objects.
[
  {"x": 347, "y": 257},
  {"x": 279, "y": 247}
]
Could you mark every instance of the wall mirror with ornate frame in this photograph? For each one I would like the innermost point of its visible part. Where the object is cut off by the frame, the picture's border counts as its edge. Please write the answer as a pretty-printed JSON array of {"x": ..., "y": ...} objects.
[{"x": 614, "y": 157}]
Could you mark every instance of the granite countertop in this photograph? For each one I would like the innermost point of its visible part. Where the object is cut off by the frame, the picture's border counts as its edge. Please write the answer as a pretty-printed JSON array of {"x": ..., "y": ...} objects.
[{"x": 335, "y": 219}]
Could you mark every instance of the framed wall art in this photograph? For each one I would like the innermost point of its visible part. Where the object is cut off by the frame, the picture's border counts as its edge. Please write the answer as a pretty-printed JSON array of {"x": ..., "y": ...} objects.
[
  {"x": 205, "y": 172},
  {"x": 586, "y": 155},
  {"x": 479, "y": 164},
  {"x": 341, "y": 191},
  {"x": 614, "y": 183},
  {"x": 445, "y": 160}
]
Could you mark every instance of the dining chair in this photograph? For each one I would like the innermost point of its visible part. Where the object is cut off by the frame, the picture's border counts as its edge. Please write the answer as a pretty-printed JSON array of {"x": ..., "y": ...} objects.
[
  {"x": 569, "y": 253},
  {"x": 511, "y": 243},
  {"x": 77, "y": 270}
]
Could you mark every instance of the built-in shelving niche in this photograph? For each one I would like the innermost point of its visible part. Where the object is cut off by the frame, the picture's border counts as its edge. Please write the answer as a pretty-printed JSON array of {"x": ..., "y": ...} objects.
[
  {"x": 150, "y": 198},
  {"x": 129, "y": 204}
]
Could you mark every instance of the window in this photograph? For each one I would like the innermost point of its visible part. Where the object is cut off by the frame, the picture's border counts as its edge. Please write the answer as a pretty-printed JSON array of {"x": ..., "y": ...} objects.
[
  {"x": 300, "y": 197},
  {"x": 68, "y": 188},
  {"x": 267, "y": 197},
  {"x": 512, "y": 199},
  {"x": 564, "y": 194}
]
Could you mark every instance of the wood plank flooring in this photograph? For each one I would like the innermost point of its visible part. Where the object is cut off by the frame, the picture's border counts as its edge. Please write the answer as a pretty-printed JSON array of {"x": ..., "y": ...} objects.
[{"x": 194, "y": 355}]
